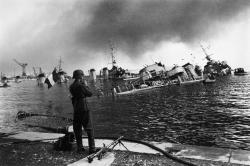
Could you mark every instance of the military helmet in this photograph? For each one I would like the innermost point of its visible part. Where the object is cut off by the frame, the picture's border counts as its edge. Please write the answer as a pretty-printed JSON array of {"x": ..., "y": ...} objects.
[{"x": 77, "y": 74}]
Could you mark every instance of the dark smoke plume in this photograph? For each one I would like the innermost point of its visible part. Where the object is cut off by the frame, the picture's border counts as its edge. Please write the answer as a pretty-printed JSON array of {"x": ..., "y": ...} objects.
[
  {"x": 79, "y": 30},
  {"x": 139, "y": 25}
]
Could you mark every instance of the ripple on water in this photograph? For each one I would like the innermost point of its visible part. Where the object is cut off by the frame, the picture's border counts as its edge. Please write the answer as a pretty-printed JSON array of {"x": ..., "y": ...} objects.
[{"x": 211, "y": 115}]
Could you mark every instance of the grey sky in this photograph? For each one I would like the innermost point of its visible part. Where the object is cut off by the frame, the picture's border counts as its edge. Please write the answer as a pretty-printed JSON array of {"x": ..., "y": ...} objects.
[{"x": 39, "y": 32}]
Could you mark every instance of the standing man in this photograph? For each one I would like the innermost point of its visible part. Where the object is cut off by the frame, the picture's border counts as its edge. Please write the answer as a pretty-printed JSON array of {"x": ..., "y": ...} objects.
[{"x": 82, "y": 115}]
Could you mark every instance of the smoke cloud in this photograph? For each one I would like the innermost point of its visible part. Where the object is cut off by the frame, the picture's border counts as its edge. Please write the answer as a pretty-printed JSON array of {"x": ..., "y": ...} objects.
[
  {"x": 80, "y": 31},
  {"x": 139, "y": 25}
]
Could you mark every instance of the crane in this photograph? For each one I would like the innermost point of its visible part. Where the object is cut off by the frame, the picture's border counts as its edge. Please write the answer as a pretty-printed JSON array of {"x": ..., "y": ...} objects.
[
  {"x": 23, "y": 65},
  {"x": 35, "y": 73}
]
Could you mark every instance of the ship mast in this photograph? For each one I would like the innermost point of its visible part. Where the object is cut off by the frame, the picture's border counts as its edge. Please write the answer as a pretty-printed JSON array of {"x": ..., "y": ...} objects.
[
  {"x": 208, "y": 56},
  {"x": 112, "y": 48},
  {"x": 60, "y": 64}
]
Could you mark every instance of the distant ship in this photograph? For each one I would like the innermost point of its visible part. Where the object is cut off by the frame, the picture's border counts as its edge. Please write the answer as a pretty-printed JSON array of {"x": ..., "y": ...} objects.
[
  {"x": 117, "y": 73},
  {"x": 4, "y": 82},
  {"x": 61, "y": 76},
  {"x": 240, "y": 71},
  {"x": 40, "y": 77}
]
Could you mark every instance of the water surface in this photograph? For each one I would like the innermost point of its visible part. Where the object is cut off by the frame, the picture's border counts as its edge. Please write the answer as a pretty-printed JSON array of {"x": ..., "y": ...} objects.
[{"x": 212, "y": 115}]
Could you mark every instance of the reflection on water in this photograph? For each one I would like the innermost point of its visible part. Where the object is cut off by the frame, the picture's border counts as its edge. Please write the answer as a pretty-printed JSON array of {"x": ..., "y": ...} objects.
[{"x": 211, "y": 115}]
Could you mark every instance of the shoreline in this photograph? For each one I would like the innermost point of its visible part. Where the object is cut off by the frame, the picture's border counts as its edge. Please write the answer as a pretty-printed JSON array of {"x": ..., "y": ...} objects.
[{"x": 22, "y": 150}]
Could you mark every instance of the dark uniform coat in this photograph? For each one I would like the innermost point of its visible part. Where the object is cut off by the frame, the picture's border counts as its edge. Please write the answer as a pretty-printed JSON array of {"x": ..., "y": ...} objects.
[{"x": 82, "y": 114}]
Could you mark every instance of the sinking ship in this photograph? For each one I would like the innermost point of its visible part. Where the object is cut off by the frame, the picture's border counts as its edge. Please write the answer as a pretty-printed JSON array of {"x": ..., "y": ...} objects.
[
  {"x": 61, "y": 76},
  {"x": 116, "y": 73},
  {"x": 185, "y": 74},
  {"x": 214, "y": 67},
  {"x": 40, "y": 77}
]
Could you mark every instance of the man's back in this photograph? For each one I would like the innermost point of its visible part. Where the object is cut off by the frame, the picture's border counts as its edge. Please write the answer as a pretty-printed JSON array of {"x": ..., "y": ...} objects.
[
  {"x": 79, "y": 90},
  {"x": 79, "y": 93}
]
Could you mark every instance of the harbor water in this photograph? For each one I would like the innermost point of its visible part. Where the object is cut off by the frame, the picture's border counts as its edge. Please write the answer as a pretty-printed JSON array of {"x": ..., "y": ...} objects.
[{"x": 215, "y": 115}]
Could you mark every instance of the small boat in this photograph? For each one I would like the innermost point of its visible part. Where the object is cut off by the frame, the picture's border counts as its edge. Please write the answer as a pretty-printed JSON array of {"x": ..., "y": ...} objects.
[{"x": 240, "y": 72}]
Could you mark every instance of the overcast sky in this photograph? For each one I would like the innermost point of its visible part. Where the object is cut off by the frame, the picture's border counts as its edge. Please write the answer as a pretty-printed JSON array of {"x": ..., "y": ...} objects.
[{"x": 39, "y": 32}]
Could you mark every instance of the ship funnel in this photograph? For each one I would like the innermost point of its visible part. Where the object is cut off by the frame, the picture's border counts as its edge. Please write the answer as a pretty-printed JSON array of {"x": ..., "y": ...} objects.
[{"x": 92, "y": 74}]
